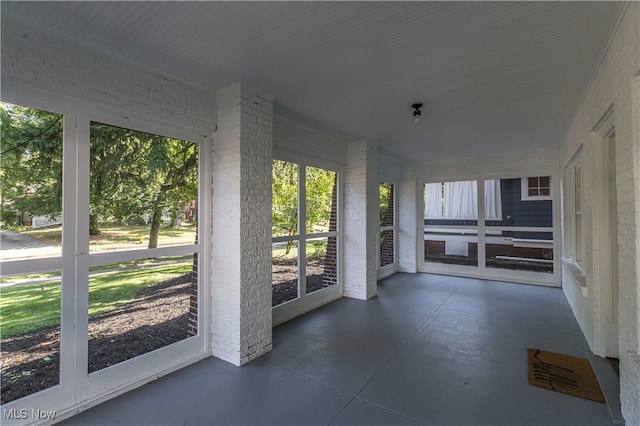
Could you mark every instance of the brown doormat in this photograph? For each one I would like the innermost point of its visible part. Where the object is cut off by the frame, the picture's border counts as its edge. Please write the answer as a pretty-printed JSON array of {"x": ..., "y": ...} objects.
[{"x": 563, "y": 373}]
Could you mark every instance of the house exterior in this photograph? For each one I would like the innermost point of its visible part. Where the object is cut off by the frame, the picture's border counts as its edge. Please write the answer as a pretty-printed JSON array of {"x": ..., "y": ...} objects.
[{"x": 589, "y": 231}]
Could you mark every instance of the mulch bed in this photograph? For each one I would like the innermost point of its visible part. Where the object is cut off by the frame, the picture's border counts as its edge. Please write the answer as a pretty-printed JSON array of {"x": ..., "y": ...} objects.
[{"x": 285, "y": 278}]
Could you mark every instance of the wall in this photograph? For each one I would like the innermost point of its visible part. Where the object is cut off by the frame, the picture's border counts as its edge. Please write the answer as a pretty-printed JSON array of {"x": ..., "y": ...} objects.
[
  {"x": 613, "y": 84},
  {"x": 294, "y": 140},
  {"x": 64, "y": 67}
]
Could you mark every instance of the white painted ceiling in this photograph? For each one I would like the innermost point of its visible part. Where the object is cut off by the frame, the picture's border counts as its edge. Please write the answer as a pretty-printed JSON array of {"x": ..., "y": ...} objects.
[{"x": 494, "y": 77}]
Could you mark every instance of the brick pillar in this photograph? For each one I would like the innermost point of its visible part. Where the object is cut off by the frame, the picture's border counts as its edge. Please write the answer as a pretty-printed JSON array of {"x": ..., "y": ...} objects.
[
  {"x": 192, "y": 325},
  {"x": 330, "y": 275},
  {"x": 361, "y": 220},
  {"x": 241, "y": 261},
  {"x": 410, "y": 221}
]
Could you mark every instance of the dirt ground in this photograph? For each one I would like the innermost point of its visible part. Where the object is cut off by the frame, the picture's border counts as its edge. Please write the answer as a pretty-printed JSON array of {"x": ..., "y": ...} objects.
[
  {"x": 157, "y": 317},
  {"x": 285, "y": 278}
]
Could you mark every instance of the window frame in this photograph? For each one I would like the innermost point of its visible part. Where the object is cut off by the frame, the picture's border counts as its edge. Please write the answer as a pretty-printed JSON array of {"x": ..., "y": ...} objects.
[
  {"x": 307, "y": 302},
  {"x": 386, "y": 270},
  {"x": 77, "y": 386},
  {"x": 524, "y": 189}
]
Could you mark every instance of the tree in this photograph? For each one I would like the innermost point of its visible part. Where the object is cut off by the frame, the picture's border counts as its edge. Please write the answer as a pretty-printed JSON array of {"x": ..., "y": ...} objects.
[
  {"x": 150, "y": 176},
  {"x": 133, "y": 175},
  {"x": 31, "y": 160},
  {"x": 284, "y": 213}
]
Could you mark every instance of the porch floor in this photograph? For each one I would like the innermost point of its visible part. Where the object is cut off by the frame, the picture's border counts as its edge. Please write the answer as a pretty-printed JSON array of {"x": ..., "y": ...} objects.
[{"x": 430, "y": 349}]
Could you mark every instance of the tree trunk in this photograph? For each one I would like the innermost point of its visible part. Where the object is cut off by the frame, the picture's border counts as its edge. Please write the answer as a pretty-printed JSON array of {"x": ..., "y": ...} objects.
[
  {"x": 93, "y": 225},
  {"x": 155, "y": 228}
]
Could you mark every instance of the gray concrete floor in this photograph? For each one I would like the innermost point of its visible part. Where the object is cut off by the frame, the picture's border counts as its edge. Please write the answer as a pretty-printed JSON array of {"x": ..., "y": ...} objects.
[{"x": 429, "y": 350}]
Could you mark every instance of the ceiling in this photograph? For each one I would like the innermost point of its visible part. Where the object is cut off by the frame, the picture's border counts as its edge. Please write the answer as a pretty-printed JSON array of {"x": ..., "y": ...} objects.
[{"x": 494, "y": 77}]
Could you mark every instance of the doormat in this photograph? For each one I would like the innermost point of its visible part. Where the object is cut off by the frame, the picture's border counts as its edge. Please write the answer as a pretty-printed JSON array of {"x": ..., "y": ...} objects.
[{"x": 562, "y": 373}]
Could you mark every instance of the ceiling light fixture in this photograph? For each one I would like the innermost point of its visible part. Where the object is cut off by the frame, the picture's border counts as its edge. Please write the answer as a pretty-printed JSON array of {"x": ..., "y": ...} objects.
[{"x": 416, "y": 111}]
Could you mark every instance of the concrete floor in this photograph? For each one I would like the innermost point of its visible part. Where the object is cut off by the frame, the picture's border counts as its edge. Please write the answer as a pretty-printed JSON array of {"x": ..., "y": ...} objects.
[{"x": 430, "y": 350}]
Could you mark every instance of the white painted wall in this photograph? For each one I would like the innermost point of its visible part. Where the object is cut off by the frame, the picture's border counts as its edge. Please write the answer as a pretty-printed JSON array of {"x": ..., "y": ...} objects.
[
  {"x": 66, "y": 68},
  {"x": 296, "y": 140},
  {"x": 615, "y": 83}
]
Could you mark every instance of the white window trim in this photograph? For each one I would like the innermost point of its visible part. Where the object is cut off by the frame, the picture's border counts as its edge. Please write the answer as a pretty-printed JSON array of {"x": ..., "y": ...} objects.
[
  {"x": 387, "y": 270},
  {"x": 78, "y": 389},
  {"x": 524, "y": 190},
  {"x": 307, "y": 302}
]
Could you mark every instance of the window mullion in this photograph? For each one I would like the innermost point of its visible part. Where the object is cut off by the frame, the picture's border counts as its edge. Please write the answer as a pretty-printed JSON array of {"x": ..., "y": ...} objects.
[{"x": 80, "y": 232}]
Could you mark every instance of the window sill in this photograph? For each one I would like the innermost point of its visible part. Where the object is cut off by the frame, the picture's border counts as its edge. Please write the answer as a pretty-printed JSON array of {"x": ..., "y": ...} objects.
[{"x": 577, "y": 273}]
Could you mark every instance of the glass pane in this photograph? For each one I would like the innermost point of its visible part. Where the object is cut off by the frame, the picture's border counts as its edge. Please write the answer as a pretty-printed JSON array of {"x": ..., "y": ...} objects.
[
  {"x": 139, "y": 306},
  {"x": 321, "y": 199},
  {"x": 386, "y": 247},
  {"x": 143, "y": 190},
  {"x": 284, "y": 212},
  {"x": 534, "y": 253},
  {"x": 386, "y": 204},
  {"x": 533, "y": 182},
  {"x": 451, "y": 203},
  {"x": 533, "y": 192},
  {"x": 30, "y": 330},
  {"x": 321, "y": 266},
  {"x": 284, "y": 272},
  {"x": 544, "y": 181},
  {"x": 30, "y": 183},
  {"x": 452, "y": 247},
  {"x": 511, "y": 210}
]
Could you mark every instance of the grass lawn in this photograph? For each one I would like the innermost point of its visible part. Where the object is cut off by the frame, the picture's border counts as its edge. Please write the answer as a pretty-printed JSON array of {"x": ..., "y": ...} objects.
[
  {"x": 30, "y": 307},
  {"x": 118, "y": 236}
]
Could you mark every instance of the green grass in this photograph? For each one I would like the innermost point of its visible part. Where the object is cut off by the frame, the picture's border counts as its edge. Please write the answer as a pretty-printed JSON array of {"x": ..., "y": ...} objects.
[
  {"x": 120, "y": 236},
  {"x": 30, "y": 307}
]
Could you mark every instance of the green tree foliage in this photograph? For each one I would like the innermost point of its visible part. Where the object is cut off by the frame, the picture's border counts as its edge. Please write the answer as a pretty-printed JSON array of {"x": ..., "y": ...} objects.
[
  {"x": 284, "y": 213},
  {"x": 319, "y": 188},
  {"x": 138, "y": 177},
  {"x": 386, "y": 198},
  {"x": 31, "y": 160},
  {"x": 134, "y": 176}
]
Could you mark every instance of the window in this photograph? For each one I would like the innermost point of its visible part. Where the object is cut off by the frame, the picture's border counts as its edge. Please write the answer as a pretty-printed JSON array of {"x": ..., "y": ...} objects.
[
  {"x": 386, "y": 249},
  {"x": 31, "y": 154},
  {"x": 577, "y": 243},
  {"x": 536, "y": 188},
  {"x": 304, "y": 231},
  {"x": 143, "y": 187},
  {"x": 458, "y": 200},
  {"x": 103, "y": 271}
]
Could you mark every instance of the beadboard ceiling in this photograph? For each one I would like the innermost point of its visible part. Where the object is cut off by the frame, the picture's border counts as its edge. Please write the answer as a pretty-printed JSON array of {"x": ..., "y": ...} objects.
[{"x": 494, "y": 77}]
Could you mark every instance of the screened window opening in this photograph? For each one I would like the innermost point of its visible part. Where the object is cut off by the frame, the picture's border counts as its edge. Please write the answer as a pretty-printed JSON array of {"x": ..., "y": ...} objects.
[
  {"x": 517, "y": 231},
  {"x": 31, "y": 154},
  {"x": 143, "y": 196},
  {"x": 304, "y": 230}
]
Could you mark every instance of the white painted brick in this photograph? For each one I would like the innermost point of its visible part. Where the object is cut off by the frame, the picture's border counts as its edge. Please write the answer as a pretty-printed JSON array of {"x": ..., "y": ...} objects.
[
  {"x": 361, "y": 220},
  {"x": 62, "y": 65},
  {"x": 241, "y": 324},
  {"x": 613, "y": 84}
]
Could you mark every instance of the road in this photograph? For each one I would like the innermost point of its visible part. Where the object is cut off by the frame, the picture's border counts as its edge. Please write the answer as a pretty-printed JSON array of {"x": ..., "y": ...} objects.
[{"x": 18, "y": 246}]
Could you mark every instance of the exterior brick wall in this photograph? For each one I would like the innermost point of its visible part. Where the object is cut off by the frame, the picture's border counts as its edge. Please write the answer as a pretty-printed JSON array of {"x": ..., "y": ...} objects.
[
  {"x": 330, "y": 275},
  {"x": 387, "y": 246}
]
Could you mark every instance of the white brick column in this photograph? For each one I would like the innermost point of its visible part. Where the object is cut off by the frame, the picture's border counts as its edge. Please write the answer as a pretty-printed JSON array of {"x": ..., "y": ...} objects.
[
  {"x": 409, "y": 193},
  {"x": 241, "y": 260},
  {"x": 361, "y": 217}
]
